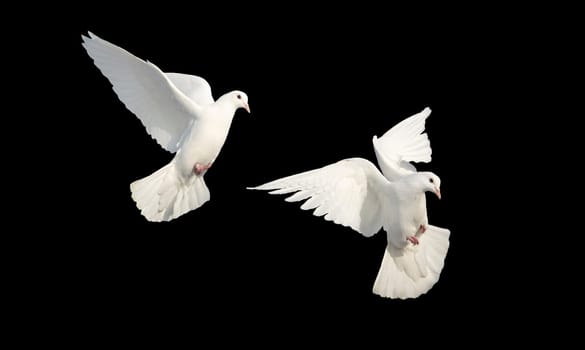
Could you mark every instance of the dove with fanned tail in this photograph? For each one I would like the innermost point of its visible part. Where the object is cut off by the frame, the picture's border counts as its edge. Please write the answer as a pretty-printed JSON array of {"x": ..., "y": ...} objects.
[
  {"x": 353, "y": 193},
  {"x": 179, "y": 112}
]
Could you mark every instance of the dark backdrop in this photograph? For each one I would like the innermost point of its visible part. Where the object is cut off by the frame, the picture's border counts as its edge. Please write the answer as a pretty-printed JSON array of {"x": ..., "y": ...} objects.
[{"x": 320, "y": 85}]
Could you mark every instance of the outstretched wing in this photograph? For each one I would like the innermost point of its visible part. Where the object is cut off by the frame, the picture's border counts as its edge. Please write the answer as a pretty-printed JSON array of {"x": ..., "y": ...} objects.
[
  {"x": 405, "y": 142},
  {"x": 145, "y": 90},
  {"x": 347, "y": 193}
]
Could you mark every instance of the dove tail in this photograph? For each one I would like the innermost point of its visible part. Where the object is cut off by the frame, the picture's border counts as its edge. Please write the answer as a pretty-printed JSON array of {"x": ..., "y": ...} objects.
[
  {"x": 164, "y": 196},
  {"x": 411, "y": 271}
]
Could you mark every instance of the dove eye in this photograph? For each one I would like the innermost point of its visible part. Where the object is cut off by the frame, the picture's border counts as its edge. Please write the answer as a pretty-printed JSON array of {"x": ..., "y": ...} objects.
[
  {"x": 431, "y": 180},
  {"x": 239, "y": 97}
]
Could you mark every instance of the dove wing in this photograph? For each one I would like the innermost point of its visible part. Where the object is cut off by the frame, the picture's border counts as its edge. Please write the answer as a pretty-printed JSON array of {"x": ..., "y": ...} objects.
[
  {"x": 146, "y": 91},
  {"x": 405, "y": 142},
  {"x": 349, "y": 193},
  {"x": 194, "y": 87}
]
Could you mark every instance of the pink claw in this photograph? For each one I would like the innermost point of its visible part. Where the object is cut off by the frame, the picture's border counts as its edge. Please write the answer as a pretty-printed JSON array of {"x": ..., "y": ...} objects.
[
  {"x": 413, "y": 240},
  {"x": 199, "y": 169},
  {"x": 422, "y": 228}
]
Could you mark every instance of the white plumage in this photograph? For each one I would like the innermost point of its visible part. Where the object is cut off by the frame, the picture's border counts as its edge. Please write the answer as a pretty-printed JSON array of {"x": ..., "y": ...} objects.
[
  {"x": 353, "y": 193},
  {"x": 179, "y": 112}
]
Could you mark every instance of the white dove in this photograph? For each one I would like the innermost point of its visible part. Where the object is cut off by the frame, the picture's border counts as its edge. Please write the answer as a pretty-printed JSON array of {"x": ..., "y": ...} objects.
[
  {"x": 178, "y": 111},
  {"x": 353, "y": 193}
]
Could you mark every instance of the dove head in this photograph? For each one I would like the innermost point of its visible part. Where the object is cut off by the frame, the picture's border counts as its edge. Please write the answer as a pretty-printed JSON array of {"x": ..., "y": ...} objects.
[
  {"x": 240, "y": 100},
  {"x": 430, "y": 182}
]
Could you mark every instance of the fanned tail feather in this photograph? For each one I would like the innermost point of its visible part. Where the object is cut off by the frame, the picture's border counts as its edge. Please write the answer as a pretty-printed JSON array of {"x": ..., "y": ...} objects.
[
  {"x": 162, "y": 196},
  {"x": 412, "y": 271}
]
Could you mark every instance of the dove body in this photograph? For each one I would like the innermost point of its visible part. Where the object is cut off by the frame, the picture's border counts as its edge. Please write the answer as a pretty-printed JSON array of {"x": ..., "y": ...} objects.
[
  {"x": 411, "y": 214},
  {"x": 204, "y": 138}
]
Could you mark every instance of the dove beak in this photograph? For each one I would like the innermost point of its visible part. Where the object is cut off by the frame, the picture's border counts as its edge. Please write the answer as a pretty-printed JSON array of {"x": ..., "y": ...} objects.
[
  {"x": 438, "y": 192},
  {"x": 246, "y": 107}
]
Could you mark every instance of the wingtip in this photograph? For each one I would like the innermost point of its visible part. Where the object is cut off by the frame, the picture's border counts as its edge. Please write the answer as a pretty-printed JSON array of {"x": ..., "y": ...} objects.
[
  {"x": 88, "y": 37},
  {"x": 262, "y": 187},
  {"x": 427, "y": 111},
  {"x": 375, "y": 141}
]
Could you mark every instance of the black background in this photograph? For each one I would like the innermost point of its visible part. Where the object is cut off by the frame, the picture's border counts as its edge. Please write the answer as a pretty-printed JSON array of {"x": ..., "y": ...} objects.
[{"x": 320, "y": 85}]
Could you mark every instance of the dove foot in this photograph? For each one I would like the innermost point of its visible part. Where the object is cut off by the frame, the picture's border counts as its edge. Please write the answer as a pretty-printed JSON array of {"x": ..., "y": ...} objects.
[
  {"x": 412, "y": 240},
  {"x": 198, "y": 169},
  {"x": 422, "y": 228}
]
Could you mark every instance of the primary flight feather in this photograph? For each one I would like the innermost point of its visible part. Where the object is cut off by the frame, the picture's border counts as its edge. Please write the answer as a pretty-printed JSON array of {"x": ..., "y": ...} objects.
[
  {"x": 179, "y": 112},
  {"x": 353, "y": 193}
]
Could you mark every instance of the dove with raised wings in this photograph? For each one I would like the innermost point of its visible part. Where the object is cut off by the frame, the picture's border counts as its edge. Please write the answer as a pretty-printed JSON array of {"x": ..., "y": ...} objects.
[
  {"x": 179, "y": 112},
  {"x": 353, "y": 193}
]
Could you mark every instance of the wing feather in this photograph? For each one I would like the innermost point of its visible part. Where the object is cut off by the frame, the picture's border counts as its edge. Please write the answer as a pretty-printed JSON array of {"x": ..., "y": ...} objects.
[
  {"x": 145, "y": 90},
  {"x": 403, "y": 143},
  {"x": 194, "y": 87},
  {"x": 347, "y": 193}
]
